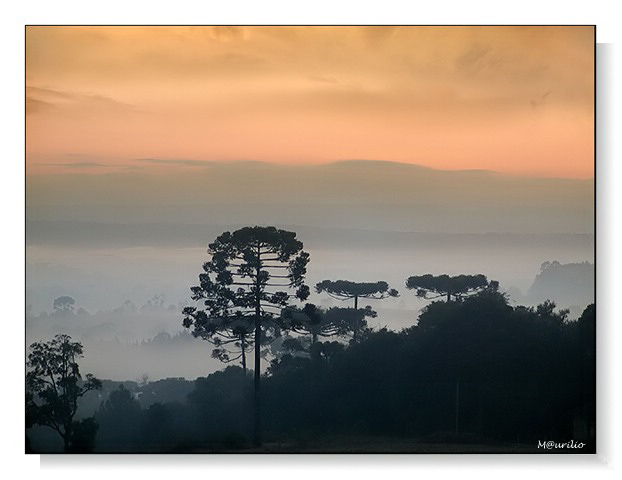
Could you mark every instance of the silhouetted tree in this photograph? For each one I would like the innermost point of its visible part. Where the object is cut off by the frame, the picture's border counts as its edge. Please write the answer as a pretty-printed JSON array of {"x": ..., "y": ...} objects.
[
  {"x": 586, "y": 328},
  {"x": 63, "y": 304},
  {"x": 167, "y": 390},
  {"x": 231, "y": 336},
  {"x": 346, "y": 290},
  {"x": 547, "y": 310},
  {"x": 429, "y": 286},
  {"x": 54, "y": 386},
  {"x": 288, "y": 345},
  {"x": 247, "y": 283},
  {"x": 318, "y": 322},
  {"x": 233, "y": 349}
]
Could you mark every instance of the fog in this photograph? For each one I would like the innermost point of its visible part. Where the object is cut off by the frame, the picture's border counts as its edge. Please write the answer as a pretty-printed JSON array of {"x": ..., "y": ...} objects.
[{"x": 142, "y": 236}]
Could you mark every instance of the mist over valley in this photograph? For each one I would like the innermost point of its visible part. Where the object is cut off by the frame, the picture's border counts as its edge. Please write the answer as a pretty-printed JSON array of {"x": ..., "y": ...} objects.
[{"x": 109, "y": 239}]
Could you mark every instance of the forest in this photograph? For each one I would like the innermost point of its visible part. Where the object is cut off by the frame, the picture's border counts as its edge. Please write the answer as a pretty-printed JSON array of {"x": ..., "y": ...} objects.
[{"x": 473, "y": 373}]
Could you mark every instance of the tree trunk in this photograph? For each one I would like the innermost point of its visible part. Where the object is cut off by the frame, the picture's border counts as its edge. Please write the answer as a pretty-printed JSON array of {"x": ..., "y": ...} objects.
[
  {"x": 356, "y": 324},
  {"x": 66, "y": 437},
  {"x": 243, "y": 354},
  {"x": 257, "y": 430},
  {"x": 257, "y": 380}
]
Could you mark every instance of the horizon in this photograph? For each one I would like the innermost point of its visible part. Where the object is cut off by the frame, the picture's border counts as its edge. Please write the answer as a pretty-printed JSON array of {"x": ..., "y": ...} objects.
[{"x": 137, "y": 165}]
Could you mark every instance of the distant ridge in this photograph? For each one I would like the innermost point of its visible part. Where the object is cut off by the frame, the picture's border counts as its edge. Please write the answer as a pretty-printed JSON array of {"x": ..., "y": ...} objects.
[
  {"x": 180, "y": 167},
  {"x": 391, "y": 164},
  {"x": 378, "y": 163}
]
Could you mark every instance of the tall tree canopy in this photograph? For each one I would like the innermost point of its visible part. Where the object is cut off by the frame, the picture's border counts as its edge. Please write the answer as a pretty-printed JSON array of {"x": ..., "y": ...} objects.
[
  {"x": 318, "y": 322},
  {"x": 430, "y": 286},
  {"x": 345, "y": 290},
  {"x": 253, "y": 274},
  {"x": 54, "y": 385},
  {"x": 231, "y": 336}
]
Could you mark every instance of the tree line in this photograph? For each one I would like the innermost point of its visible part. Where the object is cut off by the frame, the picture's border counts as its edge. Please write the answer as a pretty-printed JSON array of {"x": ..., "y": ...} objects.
[{"x": 472, "y": 364}]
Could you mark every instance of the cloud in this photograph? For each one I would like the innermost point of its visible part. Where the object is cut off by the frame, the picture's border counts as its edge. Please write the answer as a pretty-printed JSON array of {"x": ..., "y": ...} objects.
[
  {"x": 536, "y": 103},
  {"x": 178, "y": 162},
  {"x": 40, "y": 99},
  {"x": 227, "y": 32},
  {"x": 37, "y": 106},
  {"x": 454, "y": 96},
  {"x": 475, "y": 59},
  {"x": 78, "y": 160},
  {"x": 76, "y": 165},
  {"x": 378, "y": 35}
]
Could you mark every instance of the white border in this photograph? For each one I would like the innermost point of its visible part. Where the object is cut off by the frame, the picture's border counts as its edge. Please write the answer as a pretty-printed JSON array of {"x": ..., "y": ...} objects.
[{"x": 603, "y": 14}]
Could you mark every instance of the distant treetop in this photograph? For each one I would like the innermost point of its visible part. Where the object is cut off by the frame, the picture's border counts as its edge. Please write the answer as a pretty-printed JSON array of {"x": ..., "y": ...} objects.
[
  {"x": 345, "y": 289},
  {"x": 430, "y": 286},
  {"x": 64, "y": 304},
  {"x": 326, "y": 323}
]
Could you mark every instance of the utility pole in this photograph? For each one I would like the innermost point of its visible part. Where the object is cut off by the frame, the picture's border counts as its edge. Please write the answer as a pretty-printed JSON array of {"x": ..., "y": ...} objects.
[{"x": 457, "y": 404}]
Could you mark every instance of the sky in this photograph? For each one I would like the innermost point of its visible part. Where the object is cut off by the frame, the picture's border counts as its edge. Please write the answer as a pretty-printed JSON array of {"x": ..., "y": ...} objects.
[{"x": 515, "y": 100}]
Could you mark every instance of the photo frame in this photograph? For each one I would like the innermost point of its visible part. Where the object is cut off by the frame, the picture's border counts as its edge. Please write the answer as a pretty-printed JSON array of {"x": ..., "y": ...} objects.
[{"x": 427, "y": 193}]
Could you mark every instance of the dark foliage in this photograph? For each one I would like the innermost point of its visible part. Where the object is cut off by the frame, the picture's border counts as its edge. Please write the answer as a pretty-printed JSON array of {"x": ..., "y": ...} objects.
[
  {"x": 345, "y": 290},
  {"x": 473, "y": 372},
  {"x": 317, "y": 322},
  {"x": 54, "y": 386},
  {"x": 221, "y": 404},
  {"x": 477, "y": 368},
  {"x": 461, "y": 286},
  {"x": 83, "y": 436},
  {"x": 119, "y": 417}
]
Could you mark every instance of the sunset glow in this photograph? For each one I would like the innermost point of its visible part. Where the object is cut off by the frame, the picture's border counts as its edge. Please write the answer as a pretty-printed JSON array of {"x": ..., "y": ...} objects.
[{"x": 510, "y": 99}]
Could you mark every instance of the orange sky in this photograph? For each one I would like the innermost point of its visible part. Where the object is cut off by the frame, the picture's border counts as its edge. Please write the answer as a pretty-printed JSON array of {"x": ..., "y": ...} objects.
[{"x": 511, "y": 99}]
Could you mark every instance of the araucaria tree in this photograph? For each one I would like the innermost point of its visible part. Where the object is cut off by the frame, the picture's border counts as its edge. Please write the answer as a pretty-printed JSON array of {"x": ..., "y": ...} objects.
[
  {"x": 317, "y": 322},
  {"x": 232, "y": 337},
  {"x": 253, "y": 274},
  {"x": 346, "y": 290},
  {"x": 429, "y": 286},
  {"x": 53, "y": 387}
]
